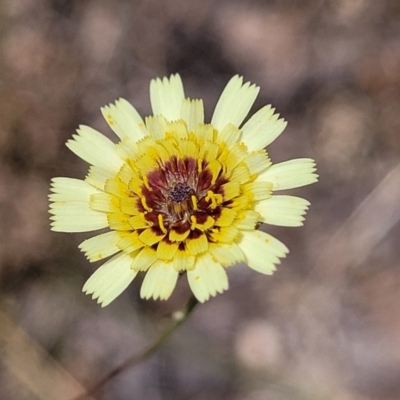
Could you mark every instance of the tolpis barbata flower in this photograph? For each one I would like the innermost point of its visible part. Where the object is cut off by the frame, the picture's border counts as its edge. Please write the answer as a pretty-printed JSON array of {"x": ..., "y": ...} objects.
[{"x": 178, "y": 195}]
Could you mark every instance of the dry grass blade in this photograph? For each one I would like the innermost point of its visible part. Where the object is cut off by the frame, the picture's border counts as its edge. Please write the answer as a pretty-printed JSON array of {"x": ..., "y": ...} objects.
[
  {"x": 28, "y": 363},
  {"x": 371, "y": 221}
]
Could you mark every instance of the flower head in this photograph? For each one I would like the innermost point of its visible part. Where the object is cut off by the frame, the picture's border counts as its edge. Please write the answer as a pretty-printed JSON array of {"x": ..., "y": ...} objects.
[{"x": 178, "y": 195}]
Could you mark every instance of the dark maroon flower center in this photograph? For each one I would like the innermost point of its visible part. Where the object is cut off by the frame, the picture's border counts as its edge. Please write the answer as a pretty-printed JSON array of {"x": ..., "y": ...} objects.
[
  {"x": 179, "y": 190},
  {"x": 180, "y": 193}
]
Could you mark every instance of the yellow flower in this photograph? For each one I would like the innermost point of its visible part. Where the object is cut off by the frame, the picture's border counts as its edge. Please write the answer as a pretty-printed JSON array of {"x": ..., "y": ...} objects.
[{"x": 179, "y": 195}]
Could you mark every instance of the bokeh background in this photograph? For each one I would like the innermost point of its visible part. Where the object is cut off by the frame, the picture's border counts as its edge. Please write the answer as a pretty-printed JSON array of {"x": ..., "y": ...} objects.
[{"x": 326, "y": 325}]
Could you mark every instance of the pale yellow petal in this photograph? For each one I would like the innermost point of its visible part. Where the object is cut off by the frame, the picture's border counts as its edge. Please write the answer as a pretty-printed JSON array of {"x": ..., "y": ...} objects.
[
  {"x": 166, "y": 97},
  {"x": 240, "y": 174},
  {"x": 118, "y": 221},
  {"x": 98, "y": 177},
  {"x": 258, "y": 190},
  {"x": 207, "y": 278},
  {"x": 183, "y": 261},
  {"x": 70, "y": 207},
  {"x": 226, "y": 254},
  {"x": 197, "y": 245},
  {"x": 95, "y": 149},
  {"x": 229, "y": 134},
  {"x": 262, "y": 251},
  {"x": 225, "y": 234},
  {"x": 262, "y": 128},
  {"x": 76, "y": 217},
  {"x": 130, "y": 242},
  {"x": 192, "y": 113},
  {"x": 290, "y": 174},
  {"x": 160, "y": 281},
  {"x": 145, "y": 258},
  {"x": 206, "y": 132},
  {"x": 124, "y": 120},
  {"x": 257, "y": 161},
  {"x": 247, "y": 219},
  {"x": 104, "y": 202},
  {"x": 101, "y": 246},
  {"x": 282, "y": 210},
  {"x": 111, "y": 279},
  {"x": 71, "y": 189},
  {"x": 157, "y": 126},
  {"x": 175, "y": 130},
  {"x": 234, "y": 104}
]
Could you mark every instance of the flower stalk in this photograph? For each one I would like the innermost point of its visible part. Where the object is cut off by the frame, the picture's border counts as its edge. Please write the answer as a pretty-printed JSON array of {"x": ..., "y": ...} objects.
[{"x": 178, "y": 319}]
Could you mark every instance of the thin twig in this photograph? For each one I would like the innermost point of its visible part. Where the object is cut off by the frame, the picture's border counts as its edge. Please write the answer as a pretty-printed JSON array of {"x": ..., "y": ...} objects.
[{"x": 144, "y": 354}]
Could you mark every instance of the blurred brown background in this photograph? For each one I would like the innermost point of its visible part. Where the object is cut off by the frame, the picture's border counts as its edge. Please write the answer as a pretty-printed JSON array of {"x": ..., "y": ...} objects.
[{"x": 326, "y": 325}]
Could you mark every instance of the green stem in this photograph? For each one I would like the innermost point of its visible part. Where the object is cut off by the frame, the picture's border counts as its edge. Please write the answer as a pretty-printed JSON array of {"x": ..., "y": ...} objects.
[{"x": 145, "y": 353}]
